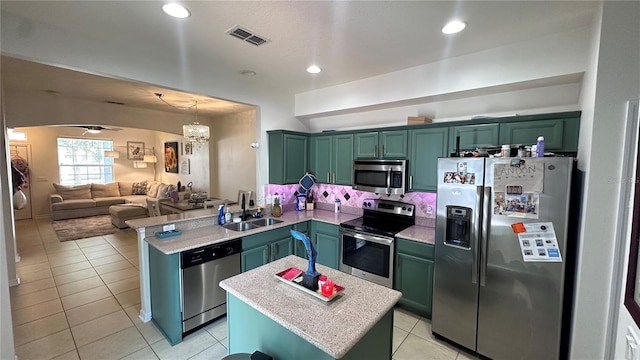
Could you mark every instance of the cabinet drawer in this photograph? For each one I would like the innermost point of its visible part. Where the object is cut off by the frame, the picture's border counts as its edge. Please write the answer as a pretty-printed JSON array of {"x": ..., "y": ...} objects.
[
  {"x": 415, "y": 248},
  {"x": 261, "y": 239},
  {"x": 326, "y": 228}
]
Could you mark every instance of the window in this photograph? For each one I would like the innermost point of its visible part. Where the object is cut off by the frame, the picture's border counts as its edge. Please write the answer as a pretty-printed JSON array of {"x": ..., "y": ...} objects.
[{"x": 82, "y": 161}]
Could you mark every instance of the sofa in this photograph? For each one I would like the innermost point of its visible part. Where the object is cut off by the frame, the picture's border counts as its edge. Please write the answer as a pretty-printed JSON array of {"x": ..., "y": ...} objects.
[{"x": 68, "y": 202}]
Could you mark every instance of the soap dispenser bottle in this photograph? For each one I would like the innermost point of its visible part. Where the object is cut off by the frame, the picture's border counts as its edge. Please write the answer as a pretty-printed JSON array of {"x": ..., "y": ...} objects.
[{"x": 221, "y": 220}]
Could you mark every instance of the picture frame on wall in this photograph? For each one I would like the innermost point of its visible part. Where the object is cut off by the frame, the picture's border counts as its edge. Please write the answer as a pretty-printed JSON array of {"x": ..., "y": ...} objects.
[
  {"x": 135, "y": 150},
  {"x": 185, "y": 168},
  {"x": 188, "y": 148},
  {"x": 171, "y": 157}
]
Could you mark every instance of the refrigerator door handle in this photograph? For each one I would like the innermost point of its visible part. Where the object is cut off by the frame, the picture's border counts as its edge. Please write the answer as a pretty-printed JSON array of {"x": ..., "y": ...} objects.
[
  {"x": 486, "y": 227},
  {"x": 477, "y": 237}
]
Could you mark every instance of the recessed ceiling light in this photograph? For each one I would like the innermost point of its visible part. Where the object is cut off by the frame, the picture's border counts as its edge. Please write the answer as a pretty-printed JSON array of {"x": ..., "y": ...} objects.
[
  {"x": 453, "y": 27},
  {"x": 176, "y": 10},
  {"x": 248, "y": 72},
  {"x": 314, "y": 69}
]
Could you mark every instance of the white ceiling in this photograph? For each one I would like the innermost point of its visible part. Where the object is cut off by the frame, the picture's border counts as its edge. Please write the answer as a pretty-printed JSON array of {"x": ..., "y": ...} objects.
[{"x": 350, "y": 40}]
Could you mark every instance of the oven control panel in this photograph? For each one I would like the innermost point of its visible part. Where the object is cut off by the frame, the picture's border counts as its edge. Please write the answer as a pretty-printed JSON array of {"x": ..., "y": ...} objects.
[{"x": 388, "y": 206}]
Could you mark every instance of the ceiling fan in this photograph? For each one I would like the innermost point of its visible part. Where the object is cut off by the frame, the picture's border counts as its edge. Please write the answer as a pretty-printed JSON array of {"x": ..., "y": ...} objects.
[{"x": 96, "y": 129}]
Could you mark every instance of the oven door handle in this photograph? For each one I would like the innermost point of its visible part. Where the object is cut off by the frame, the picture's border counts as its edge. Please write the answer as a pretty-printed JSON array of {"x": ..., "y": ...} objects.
[{"x": 375, "y": 239}]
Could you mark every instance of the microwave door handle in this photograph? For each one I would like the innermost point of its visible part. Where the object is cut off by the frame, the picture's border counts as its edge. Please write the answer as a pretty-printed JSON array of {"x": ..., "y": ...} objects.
[{"x": 389, "y": 178}]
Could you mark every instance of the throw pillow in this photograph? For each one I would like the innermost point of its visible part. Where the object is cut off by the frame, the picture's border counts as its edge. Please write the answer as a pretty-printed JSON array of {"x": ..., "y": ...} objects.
[
  {"x": 162, "y": 189},
  {"x": 126, "y": 188},
  {"x": 139, "y": 188},
  {"x": 169, "y": 190},
  {"x": 105, "y": 190},
  {"x": 152, "y": 188},
  {"x": 73, "y": 192}
]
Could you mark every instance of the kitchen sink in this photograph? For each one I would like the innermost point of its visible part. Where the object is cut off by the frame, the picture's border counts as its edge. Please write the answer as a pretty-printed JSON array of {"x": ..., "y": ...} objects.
[
  {"x": 240, "y": 226},
  {"x": 265, "y": 222}
]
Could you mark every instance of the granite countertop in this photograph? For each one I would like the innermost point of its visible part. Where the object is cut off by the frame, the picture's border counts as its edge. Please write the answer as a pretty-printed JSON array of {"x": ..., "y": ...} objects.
[
  {"x": 206, "y": 230},
  {"x": 425, "y": 234},
  {"x": 333, "y": 327}
]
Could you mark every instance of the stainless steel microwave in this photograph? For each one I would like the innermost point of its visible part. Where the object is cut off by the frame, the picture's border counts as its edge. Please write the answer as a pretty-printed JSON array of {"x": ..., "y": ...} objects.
[{"x": 380, "y": 176}]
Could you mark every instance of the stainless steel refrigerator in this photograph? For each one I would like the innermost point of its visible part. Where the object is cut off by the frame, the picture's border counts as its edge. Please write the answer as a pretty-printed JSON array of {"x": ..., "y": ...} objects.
[{"x": 502, "y": 271}]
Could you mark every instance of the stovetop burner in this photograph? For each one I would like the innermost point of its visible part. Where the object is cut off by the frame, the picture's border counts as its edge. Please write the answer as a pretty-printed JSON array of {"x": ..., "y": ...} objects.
[{"x": 383, "y": 217}]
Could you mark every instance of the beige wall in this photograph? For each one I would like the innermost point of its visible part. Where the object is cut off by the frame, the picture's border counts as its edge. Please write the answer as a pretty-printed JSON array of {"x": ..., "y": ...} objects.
[
  {"x": 232, "y": 155},
  {"x": 44, "y": 163}
]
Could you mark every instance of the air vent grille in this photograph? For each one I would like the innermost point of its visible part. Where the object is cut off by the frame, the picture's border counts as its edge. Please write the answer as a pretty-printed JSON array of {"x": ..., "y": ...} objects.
[{"x": 247, "y": 35}]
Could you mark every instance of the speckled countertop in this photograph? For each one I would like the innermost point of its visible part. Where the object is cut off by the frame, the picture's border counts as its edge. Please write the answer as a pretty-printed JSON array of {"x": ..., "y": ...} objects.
[
  {"x": 204, "y": 230},
  {"x": 419, "y": 233},
  {"x": 333, "y": 327}
]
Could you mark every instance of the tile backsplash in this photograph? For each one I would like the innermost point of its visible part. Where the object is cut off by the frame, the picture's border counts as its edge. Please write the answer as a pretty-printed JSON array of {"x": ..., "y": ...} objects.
[{"x": 425, "y": 202}]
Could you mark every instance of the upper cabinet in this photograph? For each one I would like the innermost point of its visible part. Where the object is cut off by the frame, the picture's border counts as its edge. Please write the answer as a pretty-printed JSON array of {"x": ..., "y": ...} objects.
[
  {"x": 331, "y": 158},
  {"x": 426, "y": 145},
  {"x": 560, "y": 135},
  {"x": 287, "y": 156},
  {"x": 381, "y": 145},
  {"x": 473, "y": 136}
]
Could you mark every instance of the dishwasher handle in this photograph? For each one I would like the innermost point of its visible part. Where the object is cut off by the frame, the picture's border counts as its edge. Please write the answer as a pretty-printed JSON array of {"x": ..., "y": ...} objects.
[{"x": 208, "y": 253}]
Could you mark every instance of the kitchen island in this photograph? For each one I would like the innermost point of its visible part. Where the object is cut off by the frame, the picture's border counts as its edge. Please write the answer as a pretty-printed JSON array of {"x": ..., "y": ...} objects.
[{"x": 265, "y": 314}]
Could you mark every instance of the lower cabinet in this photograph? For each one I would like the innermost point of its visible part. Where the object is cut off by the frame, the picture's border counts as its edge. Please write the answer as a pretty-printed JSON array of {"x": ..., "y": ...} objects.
[
  {"x": 326, "y": 241},
  {"x": 260, "y": 249},
  {"x": 298, "y": 246},
  {"x": 414, "y": 275},
  {"x": 324, "y": 238}
]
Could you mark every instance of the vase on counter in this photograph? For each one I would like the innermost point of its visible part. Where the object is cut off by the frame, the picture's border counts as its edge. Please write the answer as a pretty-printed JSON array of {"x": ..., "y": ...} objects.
[{"x": 276, "y": 210}]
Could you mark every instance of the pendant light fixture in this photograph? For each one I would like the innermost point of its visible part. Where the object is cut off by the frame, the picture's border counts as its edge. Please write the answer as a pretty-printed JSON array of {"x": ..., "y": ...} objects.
[{"x": 195, "y": 133}]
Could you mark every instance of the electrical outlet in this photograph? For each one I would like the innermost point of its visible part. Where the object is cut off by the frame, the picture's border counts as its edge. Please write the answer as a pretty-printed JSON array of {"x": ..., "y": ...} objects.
[
  {"x": 429, "y": 209},
  {"x": 632, "y": 353},
  {"x": 168, "y": 227}
]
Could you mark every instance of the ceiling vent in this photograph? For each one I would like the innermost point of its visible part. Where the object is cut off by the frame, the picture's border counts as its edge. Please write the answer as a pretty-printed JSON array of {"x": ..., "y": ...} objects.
[{"x": 247, "y": 35}]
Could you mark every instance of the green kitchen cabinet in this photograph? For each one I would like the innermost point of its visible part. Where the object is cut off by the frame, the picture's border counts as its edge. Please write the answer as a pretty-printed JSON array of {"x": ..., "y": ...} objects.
[
  {"x": 298, "y": 246},
  {"x": 320, "y": 151},
  {"x": 164, "y": 285},
  {"x": 287, "y": 156},
  {"x": 390, "y": 144},
  {"x": 426, "y": 145},
  {"x": 414, "y": 275},
  {"x": 331, "y": 158},
  {"x": 262, "y": 248},
  {"x": 325, "y": 239},
  {"x": 560, "y": 135},
  {"x": 473, "y": 136}
]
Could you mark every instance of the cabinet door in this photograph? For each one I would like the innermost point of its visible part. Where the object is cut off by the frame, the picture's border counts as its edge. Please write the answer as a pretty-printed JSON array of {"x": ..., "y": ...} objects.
[
  {"x": 527, "y": 132},
  {"x": 393, "y": 144},
  {"x": 327, "y": 248},
  {"x": 281, "y": 248},
  {"x": 414, "y": 278},
  {"x": 295, "y": 158},
  {"x": 342, "y": 159},
  {"x": 425, "y": 147},
  {"x": 474, "y": 136},
  {"x": 298, "y": 246},
  {"x": 254, "y": 258},
  {"x": 320, "y": 166},
  {"x": 366, "y": 145}
]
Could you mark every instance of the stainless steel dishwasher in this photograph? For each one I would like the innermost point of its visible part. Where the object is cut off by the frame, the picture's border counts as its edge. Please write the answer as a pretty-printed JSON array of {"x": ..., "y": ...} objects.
[{"x": 202, "y": 270}]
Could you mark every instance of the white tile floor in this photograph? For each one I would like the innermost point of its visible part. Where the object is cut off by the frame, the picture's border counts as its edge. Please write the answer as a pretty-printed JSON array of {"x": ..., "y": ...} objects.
[{"x": 80, "y": 300}]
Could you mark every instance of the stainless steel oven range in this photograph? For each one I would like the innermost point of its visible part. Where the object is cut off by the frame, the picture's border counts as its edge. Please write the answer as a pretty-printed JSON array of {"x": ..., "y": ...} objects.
[{"x": 367, "y": 245}]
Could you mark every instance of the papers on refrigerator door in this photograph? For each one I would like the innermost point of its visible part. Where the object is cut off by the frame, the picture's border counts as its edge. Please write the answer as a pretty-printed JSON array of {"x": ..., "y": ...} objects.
[
  {"x": 528, "y": 175},
  {"x": 523, "y": 205},
  {"x": 538, "y": 242}
]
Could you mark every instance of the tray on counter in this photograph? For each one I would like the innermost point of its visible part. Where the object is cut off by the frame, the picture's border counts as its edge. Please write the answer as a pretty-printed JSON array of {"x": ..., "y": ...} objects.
[{"x": 295, "y": 282}]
